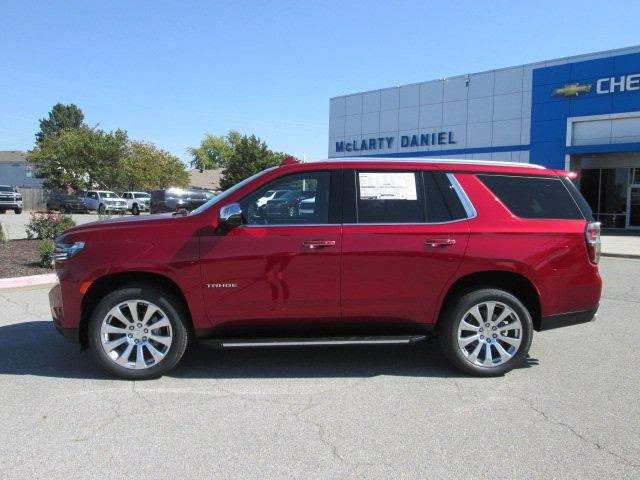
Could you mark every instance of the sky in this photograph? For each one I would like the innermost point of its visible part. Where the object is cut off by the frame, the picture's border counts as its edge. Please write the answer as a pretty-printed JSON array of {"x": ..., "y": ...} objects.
[{"x": 170, "y": 72}]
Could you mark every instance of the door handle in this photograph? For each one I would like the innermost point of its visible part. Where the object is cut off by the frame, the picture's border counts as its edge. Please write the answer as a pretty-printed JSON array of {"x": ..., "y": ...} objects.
[
  {"x": 315, "y": 244},
  {"x": 439, "y": 242}
]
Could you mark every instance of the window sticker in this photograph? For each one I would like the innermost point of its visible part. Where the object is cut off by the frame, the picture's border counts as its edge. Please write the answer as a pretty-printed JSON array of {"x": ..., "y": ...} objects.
[{"x": 387, "y": 186}]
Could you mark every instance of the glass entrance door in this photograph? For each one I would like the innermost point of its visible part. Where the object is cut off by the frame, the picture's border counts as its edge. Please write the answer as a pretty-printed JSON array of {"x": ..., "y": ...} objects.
[{"x": 633, "y": 219}]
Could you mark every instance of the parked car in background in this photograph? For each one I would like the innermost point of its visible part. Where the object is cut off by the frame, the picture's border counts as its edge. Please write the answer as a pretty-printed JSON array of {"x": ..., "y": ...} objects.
[
  {"x": 270, "y": 195},
  {"x": 479, "y": 254},
  {"x": 175, "y": 199},
  {"x": 10, "y": 199},
  {"x": 286, "y": 205},
  {"x": 65, "y": 202},
  {"x": 137, "y": 201},
  {"x": 104, "y": 201},
  {"x": 307, "y": 206}
]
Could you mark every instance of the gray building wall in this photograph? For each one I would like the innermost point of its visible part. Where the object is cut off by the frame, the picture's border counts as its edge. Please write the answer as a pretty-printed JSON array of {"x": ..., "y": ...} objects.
[
  {"x": 486, "y": 112},
  {"x": 16, "y": 171}
]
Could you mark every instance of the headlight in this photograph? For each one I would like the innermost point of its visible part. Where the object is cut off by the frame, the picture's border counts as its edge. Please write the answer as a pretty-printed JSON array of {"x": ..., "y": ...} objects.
[{"x": 65, "y": 251}]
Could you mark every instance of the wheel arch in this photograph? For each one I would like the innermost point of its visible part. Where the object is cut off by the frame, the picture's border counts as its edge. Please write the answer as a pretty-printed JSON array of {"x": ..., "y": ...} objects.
[
  {"x": 108, "y": 283},
  {"x": 512, "y": 282}
]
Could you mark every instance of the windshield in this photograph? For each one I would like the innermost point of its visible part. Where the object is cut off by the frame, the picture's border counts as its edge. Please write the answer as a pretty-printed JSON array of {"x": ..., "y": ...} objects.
[
  {"x": 4, "y": 188},
  {"x": 107, "y": 195},
  {"x": 141, "y": 195},
  {"x": 228, "y": 192}
]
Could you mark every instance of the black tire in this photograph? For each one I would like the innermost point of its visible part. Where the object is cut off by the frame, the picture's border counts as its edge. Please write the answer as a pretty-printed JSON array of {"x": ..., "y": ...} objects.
[
  {"x": 453, "y": 315},
  {"x": 135, "y": 209},
  {"x": 174, "y": 313},
  {"x": 101, "y": 209},
  {"x": 17, "y": 211},
  {"x": 3, "y": 211}
]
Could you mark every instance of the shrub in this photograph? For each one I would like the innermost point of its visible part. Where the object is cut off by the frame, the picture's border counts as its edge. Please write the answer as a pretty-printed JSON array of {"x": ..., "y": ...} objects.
[
  {"x": 48, "y": 224},
  {"x": 46, "y": 253}
]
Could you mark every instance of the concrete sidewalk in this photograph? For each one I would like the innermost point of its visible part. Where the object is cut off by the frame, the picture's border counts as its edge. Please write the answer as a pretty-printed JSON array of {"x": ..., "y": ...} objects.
[{"x": 622, "y": 245}]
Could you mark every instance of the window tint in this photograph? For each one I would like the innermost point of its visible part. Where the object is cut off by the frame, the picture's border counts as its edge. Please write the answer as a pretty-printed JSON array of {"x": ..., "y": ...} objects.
[
  {"x": 533, "y": 197},
  {"x": 389, "y": 197},
  {"x": 443, "y": 203},
  {"x": 300, "y": 199}
]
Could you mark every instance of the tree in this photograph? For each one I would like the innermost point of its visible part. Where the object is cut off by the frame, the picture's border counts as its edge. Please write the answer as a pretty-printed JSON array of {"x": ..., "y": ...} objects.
[
  {"x": 61, "y": 117},
  {"x": 80, "y": 158},
  {"x": 249, "y": 157},
  {"x": 147, "y": 168},
  {"x": 214, "y": 151}
]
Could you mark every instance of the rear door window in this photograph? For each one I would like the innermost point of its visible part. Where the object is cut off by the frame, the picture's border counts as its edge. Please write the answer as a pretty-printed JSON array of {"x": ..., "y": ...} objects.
[
  {"x": 389, "y": 197},
  {"x": 534, "y": 197}
]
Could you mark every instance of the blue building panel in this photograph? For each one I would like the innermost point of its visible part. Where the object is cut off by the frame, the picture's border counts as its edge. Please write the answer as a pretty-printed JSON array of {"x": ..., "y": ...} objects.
[{"x": 592, "y": 87}]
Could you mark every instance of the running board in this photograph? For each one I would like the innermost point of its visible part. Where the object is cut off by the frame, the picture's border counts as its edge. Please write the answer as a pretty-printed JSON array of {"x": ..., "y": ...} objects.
[{"x": 313, "y": 341}]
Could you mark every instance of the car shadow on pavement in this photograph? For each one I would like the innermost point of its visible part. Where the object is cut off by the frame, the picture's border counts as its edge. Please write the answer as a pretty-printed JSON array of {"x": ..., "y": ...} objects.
[{"x": 35, "y": 348}]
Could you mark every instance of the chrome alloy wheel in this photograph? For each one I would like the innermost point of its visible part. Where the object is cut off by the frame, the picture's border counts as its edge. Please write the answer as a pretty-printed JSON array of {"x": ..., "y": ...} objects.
[
  {"x": 489, "y": 334},
  {"x": 136, "y": 334}
]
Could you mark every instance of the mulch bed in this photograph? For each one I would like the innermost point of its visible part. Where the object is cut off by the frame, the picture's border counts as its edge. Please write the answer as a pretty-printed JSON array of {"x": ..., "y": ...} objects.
[{"x": 19, "y": 258}]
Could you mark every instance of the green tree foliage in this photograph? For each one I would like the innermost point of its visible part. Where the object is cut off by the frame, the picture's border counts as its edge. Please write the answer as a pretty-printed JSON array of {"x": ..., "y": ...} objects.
[
  {"x": 148, "y": 167},
  {"x": 249, "y": 157},
  {"x": 81, "y": 158},
  {"x": 70, "y": 154},
  {"x": 61, "y": 117},
  {"x": 214, "y": 151}
]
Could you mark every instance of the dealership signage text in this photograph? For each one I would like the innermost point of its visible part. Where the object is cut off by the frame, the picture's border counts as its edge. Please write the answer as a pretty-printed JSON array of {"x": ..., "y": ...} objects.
[
  {"x": 406, "y": 141},
  {"x": 623, "y": 83}
]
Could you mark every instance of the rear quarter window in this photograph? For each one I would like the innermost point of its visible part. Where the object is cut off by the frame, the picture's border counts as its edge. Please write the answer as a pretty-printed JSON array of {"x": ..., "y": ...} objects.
[{"x": 534, "y": 197}]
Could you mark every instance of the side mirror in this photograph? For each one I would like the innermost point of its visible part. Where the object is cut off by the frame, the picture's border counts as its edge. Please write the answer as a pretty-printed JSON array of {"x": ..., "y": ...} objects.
[{"x": 230, "y": 216}]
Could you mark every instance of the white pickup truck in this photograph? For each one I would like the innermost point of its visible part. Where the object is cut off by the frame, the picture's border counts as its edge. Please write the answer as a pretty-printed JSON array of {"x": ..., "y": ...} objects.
[
  {"x": 137, "y": 201},
  {"x": 104, "y": 201}
]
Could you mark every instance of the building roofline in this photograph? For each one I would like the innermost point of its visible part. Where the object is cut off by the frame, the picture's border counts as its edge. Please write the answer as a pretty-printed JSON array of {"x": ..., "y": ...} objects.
[{"x": 609, "y": 53}]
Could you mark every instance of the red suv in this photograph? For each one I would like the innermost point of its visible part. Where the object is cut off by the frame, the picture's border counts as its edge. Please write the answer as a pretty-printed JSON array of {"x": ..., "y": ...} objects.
[{"x": 383, "y": 251}]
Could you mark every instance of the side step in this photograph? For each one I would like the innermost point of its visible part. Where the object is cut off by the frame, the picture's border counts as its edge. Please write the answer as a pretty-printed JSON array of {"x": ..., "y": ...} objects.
[{"x": 313, "y": 341}]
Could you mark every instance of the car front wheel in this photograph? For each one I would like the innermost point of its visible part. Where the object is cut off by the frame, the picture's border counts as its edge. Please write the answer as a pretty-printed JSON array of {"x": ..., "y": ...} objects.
[
  {"x": 138, "y": 333},
  {"x": 135, "y": 210},
  {"x": 486, "y": 332}
]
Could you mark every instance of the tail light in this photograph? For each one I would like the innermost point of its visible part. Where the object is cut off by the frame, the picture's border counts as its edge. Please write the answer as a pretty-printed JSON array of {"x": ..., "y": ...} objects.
[{"x": 592, "y": 237}]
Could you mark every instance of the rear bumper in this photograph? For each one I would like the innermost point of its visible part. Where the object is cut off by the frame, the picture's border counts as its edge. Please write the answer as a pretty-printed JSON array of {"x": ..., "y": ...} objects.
[{"x": 567, "y": 319}]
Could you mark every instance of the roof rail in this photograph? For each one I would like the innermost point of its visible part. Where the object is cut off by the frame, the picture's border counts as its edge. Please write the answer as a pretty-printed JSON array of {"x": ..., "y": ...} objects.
[{"x": 434, "y": 160}]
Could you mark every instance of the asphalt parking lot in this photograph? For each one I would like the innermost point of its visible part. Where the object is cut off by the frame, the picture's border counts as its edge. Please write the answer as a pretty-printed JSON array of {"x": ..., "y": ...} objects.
[{"x": 371, "y": 412}]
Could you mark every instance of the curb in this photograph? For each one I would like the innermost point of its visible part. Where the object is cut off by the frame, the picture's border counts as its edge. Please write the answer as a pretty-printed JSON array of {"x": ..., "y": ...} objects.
[
  {"x": 29, "y": 281},
  {"x": 621, "y": 255}
]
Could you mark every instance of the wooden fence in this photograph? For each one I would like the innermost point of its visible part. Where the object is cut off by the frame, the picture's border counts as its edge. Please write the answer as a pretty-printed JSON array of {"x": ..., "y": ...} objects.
[{"x": 33, "y": 198}]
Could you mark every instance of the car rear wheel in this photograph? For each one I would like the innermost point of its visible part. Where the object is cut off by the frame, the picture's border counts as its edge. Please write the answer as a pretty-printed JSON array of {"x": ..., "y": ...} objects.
[
  {"x": 17, "y": 211},
  {"x": 486, "y": 332},
  {"x": 138, "y": 333},
  {"x": 101, "y": 209}
]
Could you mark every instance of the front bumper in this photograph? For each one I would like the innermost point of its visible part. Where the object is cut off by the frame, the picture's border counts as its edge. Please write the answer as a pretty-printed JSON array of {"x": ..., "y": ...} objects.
[
  {"x": 567, "y": 319},
  {"x": 57, "y": 312},
  {"x": 116, "y": 208}
]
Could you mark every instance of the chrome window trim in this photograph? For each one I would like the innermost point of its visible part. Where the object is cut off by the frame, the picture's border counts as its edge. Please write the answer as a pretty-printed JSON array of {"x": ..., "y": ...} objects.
[
  {"x": 291, "y": 225},
  {"x": 402, "y": 224},
  {"x": 462, "y": 195}
]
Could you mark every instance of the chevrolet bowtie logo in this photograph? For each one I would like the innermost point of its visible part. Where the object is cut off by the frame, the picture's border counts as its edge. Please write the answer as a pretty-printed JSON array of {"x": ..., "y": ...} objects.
[{"x": 572, "y": 90}]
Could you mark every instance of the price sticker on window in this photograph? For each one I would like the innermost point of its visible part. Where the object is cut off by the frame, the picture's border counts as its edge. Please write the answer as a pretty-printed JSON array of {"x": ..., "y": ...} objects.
[{"x": 387, "y": 186}]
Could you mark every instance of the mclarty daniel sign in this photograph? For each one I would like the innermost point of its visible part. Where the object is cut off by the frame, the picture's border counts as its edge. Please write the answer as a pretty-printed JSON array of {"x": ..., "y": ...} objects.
[{"x": 406, "y": 141}]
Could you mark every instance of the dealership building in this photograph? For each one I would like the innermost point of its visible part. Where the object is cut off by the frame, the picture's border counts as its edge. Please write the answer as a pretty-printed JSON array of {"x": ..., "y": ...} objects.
[{"x": 578, "y": 113}]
